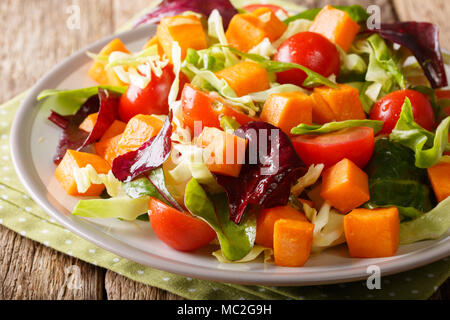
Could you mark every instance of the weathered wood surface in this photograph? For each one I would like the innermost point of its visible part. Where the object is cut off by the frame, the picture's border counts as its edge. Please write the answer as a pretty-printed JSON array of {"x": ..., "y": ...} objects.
[{"x": 36, "y": 37}]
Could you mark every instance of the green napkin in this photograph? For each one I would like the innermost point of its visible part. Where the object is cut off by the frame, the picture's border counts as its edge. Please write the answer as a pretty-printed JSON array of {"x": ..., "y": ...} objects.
[{"x": 21, "y": 214}]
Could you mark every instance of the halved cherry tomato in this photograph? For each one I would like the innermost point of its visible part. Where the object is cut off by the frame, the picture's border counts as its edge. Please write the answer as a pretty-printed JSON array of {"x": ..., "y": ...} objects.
[
  {"x": 153, "y": 99},
  {"x": 178, "y": 230},
  {"x": 310, "y": 50},
  {"x": 355, "y": 144},
  {"x": 272, "y": 7},
  {"x": 389, "y": 107},
  {"x": 207, "y": 108}
]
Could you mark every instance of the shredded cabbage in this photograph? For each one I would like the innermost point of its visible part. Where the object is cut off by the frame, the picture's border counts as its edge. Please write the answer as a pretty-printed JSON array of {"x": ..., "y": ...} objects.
[
  {"x": 264, "y": 48},
  {"x": 293, "y": 28},
  {"x": 308, "y": 179},
  {"x": 85, "y": 177},
  {"x": 251, "y": 256},
  {"x": 216, "y": 31}
]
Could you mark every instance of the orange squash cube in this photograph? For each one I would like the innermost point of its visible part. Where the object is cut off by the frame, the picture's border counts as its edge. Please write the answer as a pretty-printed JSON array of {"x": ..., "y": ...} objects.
[
  {"x": 321, "y": 112},
  {"x": 64, "y": 173},
  {"x": 287, "y": 110},
  {"x": 292, "y": 242},
  {"x": 224, "y": 152},
  {"x": 345, "y": 186},
  {"x": 344, "y": 103},
  {"x": 139, "y": 130},
  {"x": 266, "y": 222},
  {"x": 439, "y": 176},
  {"x": 107, "y": 76},
  {"x": 245, "y": 77},
  {"x": 154, "y": 41},
  {"x": 186, "y": 30},
  {"x": 372, "y": 233},
  {"x": 270, "y": 23},
  {"x": 89, "y": 122},
  {"x": 117, "y": 127},
  {"x": 109, "y": 149},
  {"x": 337, "y": 26}
]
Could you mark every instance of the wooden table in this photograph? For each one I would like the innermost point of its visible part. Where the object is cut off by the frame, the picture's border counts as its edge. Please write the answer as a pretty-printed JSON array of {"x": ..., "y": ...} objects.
[{"x": 36, "y": 37}]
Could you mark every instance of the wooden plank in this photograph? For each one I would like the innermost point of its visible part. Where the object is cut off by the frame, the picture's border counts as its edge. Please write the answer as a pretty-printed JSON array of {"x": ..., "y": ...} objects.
[
  {"x": 36, "y": 37},
  {"x": 435, "y": 11}
]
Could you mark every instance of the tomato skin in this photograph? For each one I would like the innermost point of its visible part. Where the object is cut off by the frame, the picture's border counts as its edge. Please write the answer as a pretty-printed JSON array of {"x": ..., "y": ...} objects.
[
  {"x": 153, "y": 99},
  {"x": 272, "y": 7},
  {"x": 310, "y": 50},
  {"x": 388, "y": 109},
  {"x": 200, "y": 106},
  {"x": 178, "y": 230},
  {"x": 355, "y": 144}
]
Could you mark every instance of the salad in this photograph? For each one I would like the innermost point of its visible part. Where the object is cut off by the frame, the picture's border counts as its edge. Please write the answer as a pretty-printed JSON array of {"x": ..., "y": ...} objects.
[{"x": 266, "y": 130}]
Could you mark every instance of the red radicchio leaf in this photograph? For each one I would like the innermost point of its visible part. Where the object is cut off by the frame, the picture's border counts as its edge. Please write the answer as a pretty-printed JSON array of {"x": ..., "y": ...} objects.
[
  {"x": 59, "y": 120},
  {"x": 149, "y": 156},
  {"x": 262, "y": 182},
  {"x": 106, "y": 104},
  {"x": 169, "y": 8},
  {"x": 422, "y": 39}
]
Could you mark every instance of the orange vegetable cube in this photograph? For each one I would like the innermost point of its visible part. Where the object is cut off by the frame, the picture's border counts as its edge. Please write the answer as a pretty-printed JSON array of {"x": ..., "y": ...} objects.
[
  {"x": 344, "y": 102},
  {"x": 321, "y": 112},
  {"x": 117, "y": 127},
  {"x": 139, "y": 130},
  {"x": 245, "y": 77},
  {"x": 186, "y": 30},
  {"x": 107, "y": 77},
  {"x": 89, "y": 123},
  {"x": 372, "y": 233},
  {"x": 154, "y": 41},
  {"x": 345, "y": 186},
  {"x": 337, "y": 26},
  {"x": 224, "y": 152},
  {"x": 439, "y": 176},
  {"x": 287, "y": 110},
  {"x": 292, "y": 242},
  {"x": 64, "y": 173},
  {"x": 266, "y": 222},
  {"x": 109, "y": 149},
  {"x": 247, "y": 30}
]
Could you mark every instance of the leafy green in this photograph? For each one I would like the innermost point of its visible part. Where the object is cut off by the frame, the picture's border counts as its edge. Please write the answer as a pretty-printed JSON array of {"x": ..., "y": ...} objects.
[
  {"x": 356, "y": 12},
  {"x": 313, "y": 78},
  {"x": 254, "y": 254},
  {"x": 394, "y": 180},
  {"x": 431, "y": 225},
  {"x": 336, "y": 126},
  {"x": 67, "y": 102},
  {"x": 236, "y": 241},
  {"x": 228, "y": 123},
  {"x": 123, "y": 208},
  {"x": 428, "y": 147}
]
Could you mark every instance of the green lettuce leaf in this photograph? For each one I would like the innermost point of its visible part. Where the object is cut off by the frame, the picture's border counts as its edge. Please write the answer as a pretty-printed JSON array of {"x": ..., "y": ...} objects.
[
  {"x": 123, "y": 208},
  {"x": 356, "y": 12},
  {"x": 67, "y": 102},
  {"x": 336, "y": 126},
  {"x": 236, "y": 241},
  {"x": 427, "y": 146},
  {"x": 431, "y": 225},
  {"x": 394, "y": 180}
]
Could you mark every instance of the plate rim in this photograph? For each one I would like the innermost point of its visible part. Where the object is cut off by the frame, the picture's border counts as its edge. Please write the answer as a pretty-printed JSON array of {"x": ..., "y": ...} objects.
[{"x": 27, "y": 176}]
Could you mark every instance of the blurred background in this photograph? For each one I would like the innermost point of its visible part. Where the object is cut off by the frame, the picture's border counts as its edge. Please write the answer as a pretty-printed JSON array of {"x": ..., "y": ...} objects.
[{"x": 38, "y": 34}]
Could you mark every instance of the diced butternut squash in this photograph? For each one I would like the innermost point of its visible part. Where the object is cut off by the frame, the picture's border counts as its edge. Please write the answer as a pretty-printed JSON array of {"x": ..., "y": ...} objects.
[
  {"x": 186, "y": 30},
  {"x": 439, "y": 176},
  {"x": 224, "y": 152},
  {"x": 292, "y": 242},
  {"x": 109, "y": 149},
  {"x": 372, "y": 233},
  {"x": 64, "y": 173},
  {"x": 245, "y": 77},
  {"x": 117, "y": 127},
  {"x": 321, "y": 112},
  {"x": 344, "y": 103},
  {"x": 287, "y": 110},
  {"x": 337, "y": 26},
  {"x": 247, "y": 30},
  {"x": 107, "y": 77},
  {"x": 139, "y": 130},
  {"x": 89, "y": 122},
  {"x": 345, "y": 186},
  {"x": 154, "y": 41},
  {"x": 266, "y": 222}
]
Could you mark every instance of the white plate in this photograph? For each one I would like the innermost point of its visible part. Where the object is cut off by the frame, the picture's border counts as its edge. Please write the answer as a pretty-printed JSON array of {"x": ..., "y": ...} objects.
[{"x": 136, "y": 241}]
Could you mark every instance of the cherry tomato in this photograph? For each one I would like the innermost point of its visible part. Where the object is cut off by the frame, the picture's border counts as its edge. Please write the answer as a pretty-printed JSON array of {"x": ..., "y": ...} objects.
[
  {"x": 310, "y": 50},
  {"x": 207, "y": 108},
  {"x": 272, "y": 7},
  {"x": 388, "y": 109},
  {"x": 153, "y": 99},
  {"x": 355, "y": 144},
  {"x": 178, "y": 230}
]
